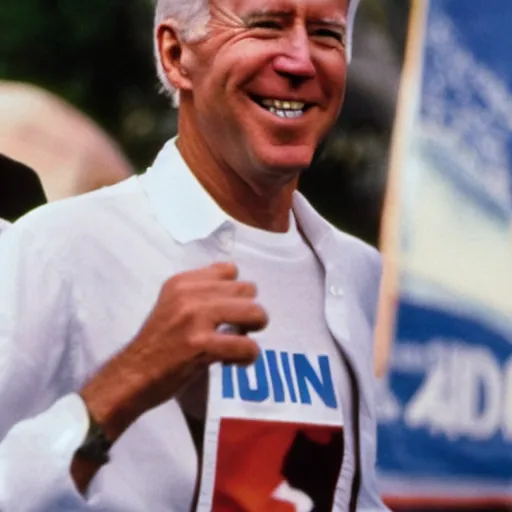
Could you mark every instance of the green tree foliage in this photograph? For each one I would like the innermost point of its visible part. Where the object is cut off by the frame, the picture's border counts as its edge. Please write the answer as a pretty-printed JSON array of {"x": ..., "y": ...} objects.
[{"x": 97, "y": 55}]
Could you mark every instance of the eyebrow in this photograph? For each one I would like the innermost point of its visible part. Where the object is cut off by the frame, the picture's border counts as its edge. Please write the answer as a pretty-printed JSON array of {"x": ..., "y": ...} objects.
[
  {"x": 334, "y": 23},
  {"x": 337, "y": 23},
  {"x": 268, "y": 13}
]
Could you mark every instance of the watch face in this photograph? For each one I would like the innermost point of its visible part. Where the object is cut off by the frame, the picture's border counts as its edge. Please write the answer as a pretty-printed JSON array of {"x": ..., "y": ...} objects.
[{"x": 96, "y": 445}]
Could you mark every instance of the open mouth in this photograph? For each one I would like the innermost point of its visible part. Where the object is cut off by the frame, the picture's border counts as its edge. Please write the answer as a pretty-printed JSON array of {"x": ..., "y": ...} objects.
[{"x": 285, "y": 109}]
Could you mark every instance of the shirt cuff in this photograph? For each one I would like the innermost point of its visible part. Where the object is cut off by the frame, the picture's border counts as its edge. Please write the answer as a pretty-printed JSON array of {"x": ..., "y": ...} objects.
[{"x": 36, "y": 456}]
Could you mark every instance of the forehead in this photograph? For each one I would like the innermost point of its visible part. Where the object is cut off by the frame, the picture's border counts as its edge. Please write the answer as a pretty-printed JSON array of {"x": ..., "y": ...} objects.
[{"x": 304, "y": 8}]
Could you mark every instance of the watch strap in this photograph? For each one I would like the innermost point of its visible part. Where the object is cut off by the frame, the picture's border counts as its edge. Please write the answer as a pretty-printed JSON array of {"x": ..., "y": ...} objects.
[{"x": 96, "y": 445}]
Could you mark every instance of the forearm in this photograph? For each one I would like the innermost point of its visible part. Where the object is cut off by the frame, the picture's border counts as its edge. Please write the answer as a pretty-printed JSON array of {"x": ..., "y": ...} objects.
[{"x": 111, "y": 405}]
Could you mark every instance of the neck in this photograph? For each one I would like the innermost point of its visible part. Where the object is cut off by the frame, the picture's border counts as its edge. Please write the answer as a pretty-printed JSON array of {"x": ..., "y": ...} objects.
[{"x": 266, "y": 207}]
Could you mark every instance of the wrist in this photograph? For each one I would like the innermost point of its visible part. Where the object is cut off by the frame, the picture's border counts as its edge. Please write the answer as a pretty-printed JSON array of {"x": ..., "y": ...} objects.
[
  {"x": 111, "y": 404},
  {"x": 96, "y": 446}
]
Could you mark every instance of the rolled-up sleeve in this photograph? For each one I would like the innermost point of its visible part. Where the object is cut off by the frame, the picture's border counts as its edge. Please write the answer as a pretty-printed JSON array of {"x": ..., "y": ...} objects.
[{"x": 42, "y": 423}]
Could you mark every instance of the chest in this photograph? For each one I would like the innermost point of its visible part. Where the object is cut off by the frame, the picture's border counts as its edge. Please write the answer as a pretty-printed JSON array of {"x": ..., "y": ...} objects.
[{"x": 290, "y": 380}]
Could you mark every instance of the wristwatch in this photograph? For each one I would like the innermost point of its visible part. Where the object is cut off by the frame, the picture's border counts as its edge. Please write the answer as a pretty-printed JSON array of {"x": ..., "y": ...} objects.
[{"x": 96, "y": 445}]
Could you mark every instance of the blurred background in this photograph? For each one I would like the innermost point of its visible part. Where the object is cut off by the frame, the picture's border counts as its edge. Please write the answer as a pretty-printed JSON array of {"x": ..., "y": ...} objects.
[
  {"x": 97, "y": 56},
  {"x": 80, "y": 108}
]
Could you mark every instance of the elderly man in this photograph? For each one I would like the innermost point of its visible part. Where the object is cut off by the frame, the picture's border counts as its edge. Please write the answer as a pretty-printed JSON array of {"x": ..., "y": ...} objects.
[{"x": 199, "y": 337}]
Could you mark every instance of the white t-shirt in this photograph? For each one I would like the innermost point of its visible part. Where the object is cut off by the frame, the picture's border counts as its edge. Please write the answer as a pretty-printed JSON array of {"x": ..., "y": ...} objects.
[{"x": 280, "y": 421}]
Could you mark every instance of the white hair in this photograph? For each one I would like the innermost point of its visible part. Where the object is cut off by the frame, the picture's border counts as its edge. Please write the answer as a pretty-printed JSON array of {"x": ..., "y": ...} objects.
[{"x": 191, "y": 18}]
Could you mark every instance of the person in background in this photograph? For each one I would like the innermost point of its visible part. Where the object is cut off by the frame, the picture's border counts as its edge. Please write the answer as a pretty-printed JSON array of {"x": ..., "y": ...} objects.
[
  {"x": 199, "y": 337},
  {"x": 20, "y": 189},
  {"x": 68, "y": 151}
]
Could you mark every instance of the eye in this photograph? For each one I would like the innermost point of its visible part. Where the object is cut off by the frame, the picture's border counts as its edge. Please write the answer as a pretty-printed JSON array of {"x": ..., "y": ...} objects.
[
  {"x": 266, "y": 24},
  {"x": 326, "y": 33}
]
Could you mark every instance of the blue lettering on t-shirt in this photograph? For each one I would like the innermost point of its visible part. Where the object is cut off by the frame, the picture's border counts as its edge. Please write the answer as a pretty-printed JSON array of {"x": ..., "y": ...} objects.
[{"x": 296, "y": 379}]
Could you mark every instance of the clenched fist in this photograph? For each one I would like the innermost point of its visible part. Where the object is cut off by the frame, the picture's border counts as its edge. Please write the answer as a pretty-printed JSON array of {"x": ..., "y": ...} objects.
[{"x": 184, "y": 333}]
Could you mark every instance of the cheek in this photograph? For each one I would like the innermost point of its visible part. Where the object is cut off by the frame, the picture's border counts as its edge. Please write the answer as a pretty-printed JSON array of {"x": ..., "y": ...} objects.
[
  {"x": 334, "y": 75},
  {"x": 216, "y": 77}
]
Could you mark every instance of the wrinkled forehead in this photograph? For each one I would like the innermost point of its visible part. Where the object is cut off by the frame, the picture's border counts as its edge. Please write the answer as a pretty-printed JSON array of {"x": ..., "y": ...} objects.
[
  {"x": 343, "y": 11},
  {"x": 332, "y": 9}
]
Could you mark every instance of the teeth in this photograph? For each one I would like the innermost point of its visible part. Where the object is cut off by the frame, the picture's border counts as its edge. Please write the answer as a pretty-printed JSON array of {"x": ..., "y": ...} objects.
[
  {"x": 287, "y": 114},
  {"x": 283, "y": 105}
]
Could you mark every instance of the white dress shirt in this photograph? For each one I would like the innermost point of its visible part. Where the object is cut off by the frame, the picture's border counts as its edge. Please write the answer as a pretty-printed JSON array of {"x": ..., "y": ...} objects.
[
  {"x": 77, "y": 280},
  {"x": 3, "y": 225}
]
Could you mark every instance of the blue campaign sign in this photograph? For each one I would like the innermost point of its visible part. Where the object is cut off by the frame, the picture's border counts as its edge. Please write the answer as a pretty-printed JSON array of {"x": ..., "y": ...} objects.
[
  {"x": 466, "y": 100},
  {"x": 451, "y": 382},
  {"x": 445, "y": 409}
]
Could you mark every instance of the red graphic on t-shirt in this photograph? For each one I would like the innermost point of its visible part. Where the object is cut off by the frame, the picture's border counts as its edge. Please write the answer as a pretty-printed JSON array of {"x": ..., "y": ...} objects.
[{"x": 265, "y": 466}]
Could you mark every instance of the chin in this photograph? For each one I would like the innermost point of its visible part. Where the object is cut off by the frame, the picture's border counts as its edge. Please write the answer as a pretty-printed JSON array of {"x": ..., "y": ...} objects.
[{"x": 285, "y": 159}]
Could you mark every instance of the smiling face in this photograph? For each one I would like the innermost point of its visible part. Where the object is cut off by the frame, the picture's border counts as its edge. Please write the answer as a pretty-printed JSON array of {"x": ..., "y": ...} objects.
[{"x": 262, "y": 90}]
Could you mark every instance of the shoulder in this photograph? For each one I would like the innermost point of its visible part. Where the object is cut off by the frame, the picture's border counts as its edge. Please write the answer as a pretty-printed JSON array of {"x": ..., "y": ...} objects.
[
  {"x": 359, "y": 253},
  {"x": 350, "y": 249},
  {"x": 71, "y": 224}
]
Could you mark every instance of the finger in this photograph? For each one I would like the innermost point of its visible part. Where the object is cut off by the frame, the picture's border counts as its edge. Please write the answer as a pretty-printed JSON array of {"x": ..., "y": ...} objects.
[
  {"x": 224, "y": 270},
  {"x": 183, "y": 281},
  {"x": 233, "y": 349},
  {"x": 228, "y": 289},
  {"x": 210, "y": 290},
  {"x": 239, "y": 312},
  {"x": 219, "y": 270}
]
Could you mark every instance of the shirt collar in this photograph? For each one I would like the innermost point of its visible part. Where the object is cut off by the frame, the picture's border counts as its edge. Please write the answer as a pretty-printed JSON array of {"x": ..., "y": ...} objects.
[
  {"x": 181, "y": 203},
  {"x": 189, "y": 213}
]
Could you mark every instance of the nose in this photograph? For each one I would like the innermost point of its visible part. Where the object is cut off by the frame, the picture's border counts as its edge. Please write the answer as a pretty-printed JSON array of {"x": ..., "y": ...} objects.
[{"x": 295, "y": 60}]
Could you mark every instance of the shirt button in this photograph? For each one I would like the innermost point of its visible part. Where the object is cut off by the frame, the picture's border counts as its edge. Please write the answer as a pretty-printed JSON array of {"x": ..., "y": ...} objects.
[
  {"x": 336, "y": 291},
  {"x": 226, "y": 240}
]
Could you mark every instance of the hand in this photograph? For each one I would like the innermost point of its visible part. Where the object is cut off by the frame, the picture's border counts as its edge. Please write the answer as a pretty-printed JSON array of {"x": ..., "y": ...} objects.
[{"x": 179, "y": 339}]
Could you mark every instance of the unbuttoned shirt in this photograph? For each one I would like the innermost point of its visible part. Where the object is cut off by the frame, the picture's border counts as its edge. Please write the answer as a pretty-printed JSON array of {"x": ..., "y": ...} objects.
[{"x": 77, "y": 280}]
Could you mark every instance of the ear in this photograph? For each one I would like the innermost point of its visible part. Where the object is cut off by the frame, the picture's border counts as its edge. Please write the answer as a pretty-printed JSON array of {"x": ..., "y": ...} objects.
[{"x": 170, "y": 50}]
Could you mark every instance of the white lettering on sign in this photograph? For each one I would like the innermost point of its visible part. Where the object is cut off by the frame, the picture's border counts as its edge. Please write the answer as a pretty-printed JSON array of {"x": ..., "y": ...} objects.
[{"x": 466, "y": 393}]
